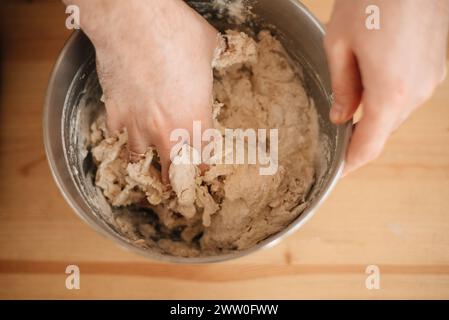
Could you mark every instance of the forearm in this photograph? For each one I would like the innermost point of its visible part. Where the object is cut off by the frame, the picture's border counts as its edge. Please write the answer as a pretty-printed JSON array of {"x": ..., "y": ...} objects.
[{"x": 101, "y": 19}]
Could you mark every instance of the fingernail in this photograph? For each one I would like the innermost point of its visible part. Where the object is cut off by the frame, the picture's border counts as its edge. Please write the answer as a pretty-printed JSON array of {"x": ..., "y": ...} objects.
[{"x": 336, "y": 114}]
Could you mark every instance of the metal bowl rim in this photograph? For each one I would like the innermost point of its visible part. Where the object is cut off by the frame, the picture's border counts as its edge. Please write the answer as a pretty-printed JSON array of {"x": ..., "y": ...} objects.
[{"x": 274, "y": 239}]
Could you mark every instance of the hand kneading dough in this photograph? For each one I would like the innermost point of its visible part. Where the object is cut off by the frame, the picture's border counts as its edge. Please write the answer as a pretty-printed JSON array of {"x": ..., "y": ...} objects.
[{"x": 230, "y": 207}]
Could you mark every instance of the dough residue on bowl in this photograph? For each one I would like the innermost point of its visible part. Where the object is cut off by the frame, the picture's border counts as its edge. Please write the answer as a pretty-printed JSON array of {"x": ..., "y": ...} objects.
[{"x": 229, "y": 207}]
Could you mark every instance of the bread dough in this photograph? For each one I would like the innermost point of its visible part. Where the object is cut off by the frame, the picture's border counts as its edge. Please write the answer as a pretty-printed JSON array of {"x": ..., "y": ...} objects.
[{"x": 230, "y": 207}]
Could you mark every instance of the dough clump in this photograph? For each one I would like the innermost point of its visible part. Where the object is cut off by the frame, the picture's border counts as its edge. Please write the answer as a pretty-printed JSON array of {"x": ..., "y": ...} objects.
[{"x": 229, "y": 207}]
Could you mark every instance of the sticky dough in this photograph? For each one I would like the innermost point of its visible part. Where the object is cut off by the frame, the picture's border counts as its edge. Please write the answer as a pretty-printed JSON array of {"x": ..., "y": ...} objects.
[{"x": 230, "y": 207}]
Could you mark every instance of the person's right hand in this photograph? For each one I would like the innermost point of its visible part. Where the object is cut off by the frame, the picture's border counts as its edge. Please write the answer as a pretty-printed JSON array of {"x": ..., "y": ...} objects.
[
  {"x": 154, "y": 61},
  {"x": 390, "y": 71}
]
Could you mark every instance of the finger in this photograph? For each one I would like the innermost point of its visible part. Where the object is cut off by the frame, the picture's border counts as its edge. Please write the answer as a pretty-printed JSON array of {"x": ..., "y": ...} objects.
[
  {"x": 138, "y": 142},
  {"x": 369, "y": 136},
  {"x": 164, "y": 158},
  {"x": 113, "y": 120},
  {"x": 346, "y": 81}
]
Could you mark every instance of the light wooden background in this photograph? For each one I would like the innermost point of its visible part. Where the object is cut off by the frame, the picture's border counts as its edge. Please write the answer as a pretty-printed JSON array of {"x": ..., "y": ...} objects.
[{"x": 393, "y": 213}]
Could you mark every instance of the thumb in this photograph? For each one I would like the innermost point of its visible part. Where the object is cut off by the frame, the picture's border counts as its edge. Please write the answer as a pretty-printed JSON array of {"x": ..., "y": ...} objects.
[
  {"x": 346, "y": 82},
  {"x": 370, "y": 134}
]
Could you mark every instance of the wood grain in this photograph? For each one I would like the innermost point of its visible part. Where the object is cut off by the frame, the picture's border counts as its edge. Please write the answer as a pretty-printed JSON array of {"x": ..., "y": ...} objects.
[{"x": 392, "y": 213}]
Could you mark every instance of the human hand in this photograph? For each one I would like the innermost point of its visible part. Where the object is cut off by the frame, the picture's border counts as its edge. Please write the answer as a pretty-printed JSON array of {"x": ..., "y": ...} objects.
[
  {"x": 154, "y": 65},
  {"x": 390, "y": 71}
]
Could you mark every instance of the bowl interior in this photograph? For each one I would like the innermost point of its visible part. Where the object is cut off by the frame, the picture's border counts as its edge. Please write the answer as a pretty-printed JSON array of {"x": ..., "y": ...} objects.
[{"x": 73, "y": 98}]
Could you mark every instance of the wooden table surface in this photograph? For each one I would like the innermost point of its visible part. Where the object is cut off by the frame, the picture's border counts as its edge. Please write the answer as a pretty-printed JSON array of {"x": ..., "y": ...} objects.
[{"x": 393, "y": 213}]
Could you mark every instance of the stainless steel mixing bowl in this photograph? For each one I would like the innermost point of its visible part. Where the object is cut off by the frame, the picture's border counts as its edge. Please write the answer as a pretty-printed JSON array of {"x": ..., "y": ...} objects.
[{"x": 301, "y": 34}]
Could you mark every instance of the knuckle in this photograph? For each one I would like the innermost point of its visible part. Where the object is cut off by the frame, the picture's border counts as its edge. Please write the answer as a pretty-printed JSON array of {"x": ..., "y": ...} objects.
[
  {"x": 402, "y": 90},
  {"x": 153, "y": 125},
  {"x": 398, "y": 91},
  {"x": 334, "y": 46}
]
